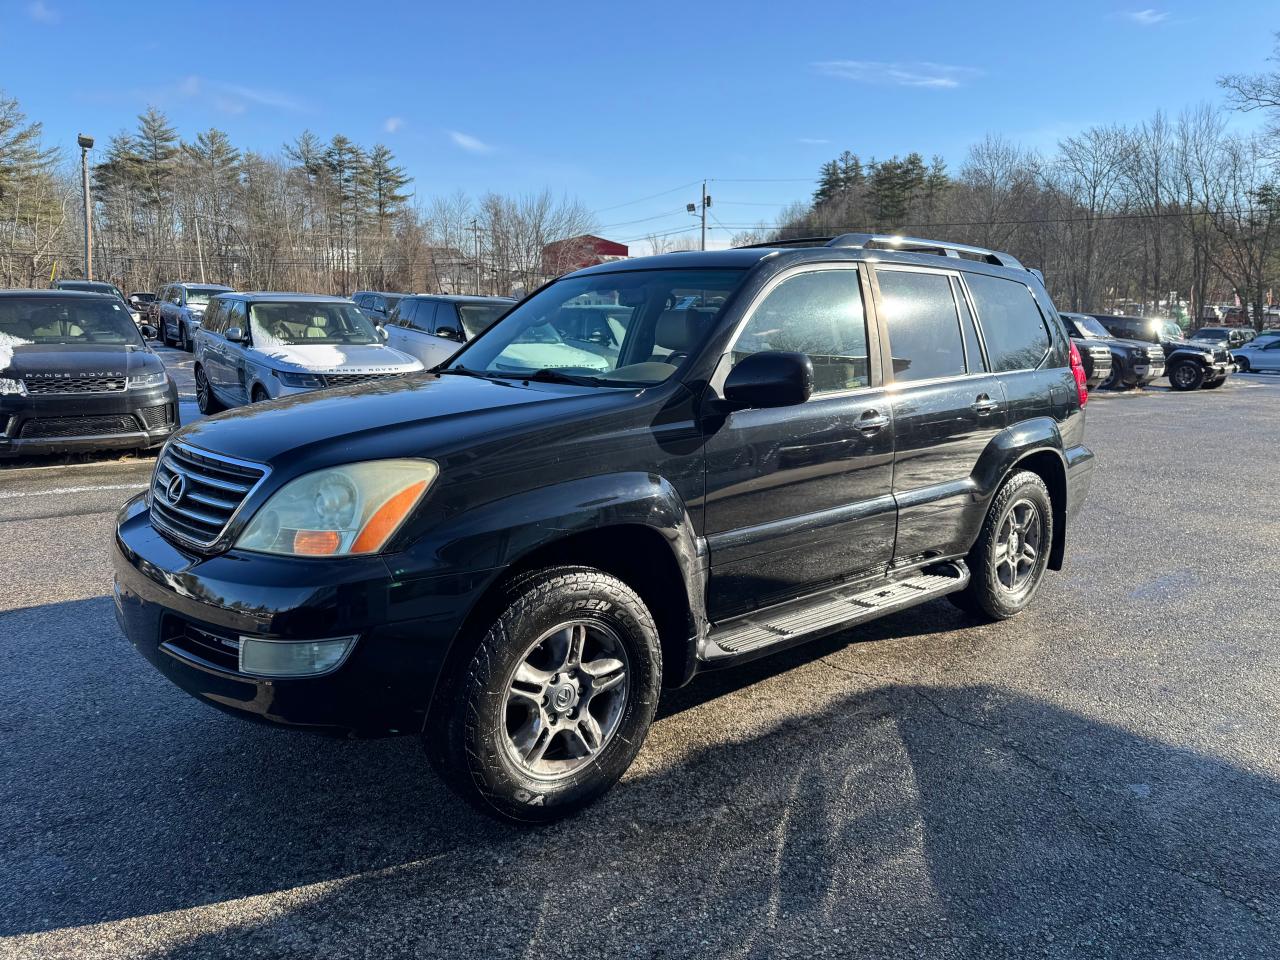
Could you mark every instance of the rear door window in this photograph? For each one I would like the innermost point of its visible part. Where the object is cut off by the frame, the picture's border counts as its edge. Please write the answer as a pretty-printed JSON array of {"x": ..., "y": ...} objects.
[
  {"x": 423, "y": 315},
  {"x": 1012, "y": 324},
  {"x": 924, "y": 326},
  {"x": 446, "y": 324}
]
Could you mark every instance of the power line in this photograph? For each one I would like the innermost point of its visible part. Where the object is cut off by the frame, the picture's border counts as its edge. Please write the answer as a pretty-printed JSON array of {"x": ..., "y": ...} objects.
[
  {"x": 652, "y": 196},
  {"x": 659, "y": 216}
]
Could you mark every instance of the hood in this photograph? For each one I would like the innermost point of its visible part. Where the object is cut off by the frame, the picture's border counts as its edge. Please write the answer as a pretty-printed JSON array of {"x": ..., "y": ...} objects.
[
  {"x": 336, "y": 358},
  {"x": 417, "y": 415},
  {"x": 1089, "y": 343},
  {"x": 1132, "y": 345},
  {"x": 1200, "y": 346},
  {"x": 52, "y": 360}
]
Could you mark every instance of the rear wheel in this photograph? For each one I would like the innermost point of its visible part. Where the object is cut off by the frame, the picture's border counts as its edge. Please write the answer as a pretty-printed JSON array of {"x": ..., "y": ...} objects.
[
  {"x": 1186, "y": 375},
  {"x": 1009, "y": 559},
  {"x": 556, "y": 700},
  {"x": 205, "y": 399},
  {"x": 1242, "y": 364}
]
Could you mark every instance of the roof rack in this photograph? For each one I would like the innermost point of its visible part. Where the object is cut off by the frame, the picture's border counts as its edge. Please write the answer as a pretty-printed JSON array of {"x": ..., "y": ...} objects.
[
  {"x": 916, "y": 245},
  {"x": 795, "y": 242}
]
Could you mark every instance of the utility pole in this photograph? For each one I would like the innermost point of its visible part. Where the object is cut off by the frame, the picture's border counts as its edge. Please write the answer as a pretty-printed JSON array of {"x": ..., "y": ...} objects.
[
  {"x": 475, "y": 228},
  {"x": 705, "y": 200},
  {"x": 86, "y": 144},
  {"x": 199, "y": 248}
]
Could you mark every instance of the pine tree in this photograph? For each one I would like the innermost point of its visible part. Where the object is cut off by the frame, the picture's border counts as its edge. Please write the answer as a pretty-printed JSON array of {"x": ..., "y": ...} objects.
[
  {"x": 21, "y": 154},
  {"x": 385, "y": 183},
  {"x": 829, "y": 183}
]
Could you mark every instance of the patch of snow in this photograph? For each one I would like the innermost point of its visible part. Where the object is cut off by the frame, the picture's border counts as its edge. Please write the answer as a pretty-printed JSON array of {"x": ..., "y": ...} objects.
[{"x": 7, "y": 343}]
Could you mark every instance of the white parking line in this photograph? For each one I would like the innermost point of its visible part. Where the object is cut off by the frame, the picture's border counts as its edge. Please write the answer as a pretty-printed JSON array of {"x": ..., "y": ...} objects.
[{"x": 61, "y": 490}]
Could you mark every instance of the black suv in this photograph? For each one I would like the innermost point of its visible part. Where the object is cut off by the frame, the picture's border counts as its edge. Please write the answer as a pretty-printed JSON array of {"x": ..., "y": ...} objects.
[
  {"x": 1134, "y": 363},
  {"x": 75, "y": 374},
  {"x": 1189, "y": 364},
  {"x": 511, "y": 555}
]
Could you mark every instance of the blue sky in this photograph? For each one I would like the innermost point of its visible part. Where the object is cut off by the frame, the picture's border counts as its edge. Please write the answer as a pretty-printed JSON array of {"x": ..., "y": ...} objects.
[{"x": 613, "y": 102}]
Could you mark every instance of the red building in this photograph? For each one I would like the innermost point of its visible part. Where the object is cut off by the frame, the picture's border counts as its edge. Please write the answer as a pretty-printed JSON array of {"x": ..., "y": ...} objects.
[{"x": 575, "y": 253}]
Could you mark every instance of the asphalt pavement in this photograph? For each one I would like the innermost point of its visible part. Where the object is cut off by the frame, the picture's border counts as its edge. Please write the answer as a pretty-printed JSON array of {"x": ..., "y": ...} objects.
[{"x": 1098, "y": 777}]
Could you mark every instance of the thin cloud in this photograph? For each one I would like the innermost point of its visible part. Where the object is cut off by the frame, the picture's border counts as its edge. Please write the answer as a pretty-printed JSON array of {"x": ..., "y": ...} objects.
[
  {"x": 921, "y": 73},
  {"x": 263, "y": 98},
  {"x": 1147, "y": 18},
  {"x": 813, "y": 141},
  {"x": 469, "y": 143},
  {"x": 41, "y": 12},
  {"x": 392, "y": 124}
]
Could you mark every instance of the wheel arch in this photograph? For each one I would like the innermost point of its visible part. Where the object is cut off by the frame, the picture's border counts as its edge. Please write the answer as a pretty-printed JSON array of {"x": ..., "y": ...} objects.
[{"x": 1035, "y": 445}]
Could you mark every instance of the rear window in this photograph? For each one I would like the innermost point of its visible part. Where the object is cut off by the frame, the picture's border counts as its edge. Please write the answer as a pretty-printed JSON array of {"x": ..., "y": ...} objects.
[
  {"x": 1014, "y": 328},
  {"x": 924, "y": 327}
]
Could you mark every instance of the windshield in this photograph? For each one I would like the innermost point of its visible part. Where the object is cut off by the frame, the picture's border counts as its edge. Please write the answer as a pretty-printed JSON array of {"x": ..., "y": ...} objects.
[
  {"x": 1089, "y": 327},
  {"x": 622, "y": 329},
  {"x": 91, "y": 286},
  {"x": 312, "y": 324},
  {"x": 200, "y": 296},
  {"x": 479, "y": 317},
  {"x": 73, "y": 320},
  {"x": 1211, "y": 333},
  {"x": 1168, "y": 328}
]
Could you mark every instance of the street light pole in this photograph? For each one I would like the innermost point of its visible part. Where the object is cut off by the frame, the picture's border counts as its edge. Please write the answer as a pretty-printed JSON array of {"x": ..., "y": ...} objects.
[
  {"x": 86, "y": 144},
  {"x": 475, "y": 227},
  {"x": 703, "y": 205}
]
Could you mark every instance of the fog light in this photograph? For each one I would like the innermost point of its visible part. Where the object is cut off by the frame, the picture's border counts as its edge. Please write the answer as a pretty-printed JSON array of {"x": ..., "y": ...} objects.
[{"x": 292, "y": 658}]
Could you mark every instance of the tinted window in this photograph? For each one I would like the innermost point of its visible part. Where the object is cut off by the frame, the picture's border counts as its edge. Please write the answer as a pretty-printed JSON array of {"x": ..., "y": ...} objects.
[
  {"x": 924, "y": 327},
  {"x": 972, "y": 345},
  {"x": 819, "y": 314},
  {"x": 1016, "y": 336},
  {"x": 213, "y": 316},
  {"x": 446, "y": 324},
  {"x": 235, "y": 316},
  {"x": 423, "y": 315}
]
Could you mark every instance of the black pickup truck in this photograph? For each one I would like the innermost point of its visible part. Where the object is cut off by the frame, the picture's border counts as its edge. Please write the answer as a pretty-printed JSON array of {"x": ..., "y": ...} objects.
[
  {"x": 1189, "y": 364},
  {"x": 509, "y": 556},
  {"x": 1134, "y": 363}
]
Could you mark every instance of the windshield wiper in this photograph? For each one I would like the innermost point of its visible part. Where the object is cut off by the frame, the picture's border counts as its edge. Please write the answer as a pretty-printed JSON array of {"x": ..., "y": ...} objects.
[{"x": 464, "y": 372}]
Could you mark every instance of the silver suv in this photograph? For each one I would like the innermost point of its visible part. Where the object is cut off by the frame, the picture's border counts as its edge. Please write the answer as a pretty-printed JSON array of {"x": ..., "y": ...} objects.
[
  {"x": 182, "y": 307},
  {"x": 260, "y": 346}
]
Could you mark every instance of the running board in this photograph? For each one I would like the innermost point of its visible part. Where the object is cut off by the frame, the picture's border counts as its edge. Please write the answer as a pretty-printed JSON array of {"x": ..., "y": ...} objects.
[{"x": 783, "y": 625}]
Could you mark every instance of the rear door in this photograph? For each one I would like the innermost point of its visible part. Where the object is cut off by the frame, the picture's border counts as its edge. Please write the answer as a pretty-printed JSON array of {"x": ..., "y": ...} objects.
[
  {"x": 234, "y": 373},
  {"x": 800, "y": 497},
  {"x": 947, "y": 406}
]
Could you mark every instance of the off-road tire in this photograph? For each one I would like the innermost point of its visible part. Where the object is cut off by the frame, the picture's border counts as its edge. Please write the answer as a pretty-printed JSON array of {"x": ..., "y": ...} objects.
[
  {"x": 985, "y": 595},
  {"x": 465, "y": 734},
  {"x": 1194, "y": 378},
  {"x": 1214, "y": 384},
  {"x": 205, "y": 399},
  {"x": 1115, "y": 379}
]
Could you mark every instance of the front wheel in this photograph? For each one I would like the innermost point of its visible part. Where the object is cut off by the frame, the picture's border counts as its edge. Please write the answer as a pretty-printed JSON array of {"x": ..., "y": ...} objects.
[
  {"x": 1115, "y": 379},
  {"x": 1011, "y": 555},
  {"x": 1186, "y": 375},
  {"x": 556, "y": 700},
  {"x": 205, "y": 399},
  {"x": 1215, "y": 384},
  {"x": 1242, "y": 364},
  {"x": 185, "y": 337}
]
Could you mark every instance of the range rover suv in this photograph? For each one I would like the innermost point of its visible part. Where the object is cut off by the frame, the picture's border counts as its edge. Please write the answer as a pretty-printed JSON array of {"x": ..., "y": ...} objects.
[
  {"x": 1134, "y": 363},
  {"x": 75, "y": 374},
  {"x": 511, "y": 560},
  {"x": 1189, "y": 364}
]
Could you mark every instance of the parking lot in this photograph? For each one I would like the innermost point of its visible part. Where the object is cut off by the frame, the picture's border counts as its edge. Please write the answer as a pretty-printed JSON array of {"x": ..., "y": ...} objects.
[{"x": 1097, "y": 777}]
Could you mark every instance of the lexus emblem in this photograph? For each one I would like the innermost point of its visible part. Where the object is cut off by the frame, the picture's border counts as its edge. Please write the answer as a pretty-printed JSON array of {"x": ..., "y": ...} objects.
[{"x": 176, "y": 488}]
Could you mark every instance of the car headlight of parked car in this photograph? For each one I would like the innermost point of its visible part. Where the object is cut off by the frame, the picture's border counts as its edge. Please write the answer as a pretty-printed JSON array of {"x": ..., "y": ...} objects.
[
  {"x": 143, "y": 380},
  {"x": 290, "y": 379},
  {"x": 340, "y": 511}
]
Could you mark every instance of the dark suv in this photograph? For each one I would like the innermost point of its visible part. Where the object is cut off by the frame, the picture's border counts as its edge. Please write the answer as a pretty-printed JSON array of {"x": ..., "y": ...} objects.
[
  {"x": 1189, "y": 364},
  {"x": 1134, "y": 363},
  {"x": 511, "y": 555}
]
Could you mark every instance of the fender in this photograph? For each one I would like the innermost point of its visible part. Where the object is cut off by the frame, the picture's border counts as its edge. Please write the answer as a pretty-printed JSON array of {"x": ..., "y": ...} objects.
[{"x": 1039, "y": 437}]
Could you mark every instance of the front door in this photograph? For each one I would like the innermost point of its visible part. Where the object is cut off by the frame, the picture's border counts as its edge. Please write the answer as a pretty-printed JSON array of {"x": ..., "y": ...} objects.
[
  {"x": 233, "y": 370},
  {"x": 800, "y": 497},
  {"x": 947, "y": 407}
]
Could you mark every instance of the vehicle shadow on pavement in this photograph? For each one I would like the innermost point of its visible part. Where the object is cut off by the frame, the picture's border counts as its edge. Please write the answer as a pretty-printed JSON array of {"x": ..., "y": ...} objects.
[{"x": 888, "y": 815}]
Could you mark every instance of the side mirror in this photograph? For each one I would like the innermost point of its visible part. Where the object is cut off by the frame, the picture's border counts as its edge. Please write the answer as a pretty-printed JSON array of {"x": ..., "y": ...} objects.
[
  {"x": 382, "y": 331},
  {"x": 148, "y": 331},
  {"x": 448, "y": 333},
  {"x": 234, "y": 334},
  {"x": 771, "y": 378}
]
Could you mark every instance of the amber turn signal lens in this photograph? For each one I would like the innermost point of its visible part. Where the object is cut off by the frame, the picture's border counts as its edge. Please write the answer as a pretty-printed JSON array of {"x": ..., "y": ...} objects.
[
  {"x": 319, "y": 543},
  {"x": 387, "y": 518}
]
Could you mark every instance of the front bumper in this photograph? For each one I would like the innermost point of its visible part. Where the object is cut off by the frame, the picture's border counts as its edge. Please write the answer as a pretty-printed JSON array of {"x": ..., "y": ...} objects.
[
  {"x": 404, "y": 628},
  {"x": 60, "y": 423},
  {"x": 1145, "y": 372}
]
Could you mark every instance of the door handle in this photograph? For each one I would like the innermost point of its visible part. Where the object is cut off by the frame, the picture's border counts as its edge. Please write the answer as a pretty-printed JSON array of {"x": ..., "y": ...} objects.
[
  {"x": 872, "y": 422},
  {"x": 984, "y": 405}
]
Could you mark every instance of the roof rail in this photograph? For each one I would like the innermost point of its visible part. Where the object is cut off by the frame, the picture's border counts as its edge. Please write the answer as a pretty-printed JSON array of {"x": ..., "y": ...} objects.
[
  {"x": 916, "y": 245},
  {"x": 796, "y": 242}
]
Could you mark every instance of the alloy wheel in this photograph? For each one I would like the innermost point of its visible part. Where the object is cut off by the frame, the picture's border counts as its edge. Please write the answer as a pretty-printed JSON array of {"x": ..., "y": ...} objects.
[
  {"x": 1184, "y": 374},
  {"x": 1018, "y": 546},
  {"x": 202, "y": 390},
  {"x": 564, "y": 701}
]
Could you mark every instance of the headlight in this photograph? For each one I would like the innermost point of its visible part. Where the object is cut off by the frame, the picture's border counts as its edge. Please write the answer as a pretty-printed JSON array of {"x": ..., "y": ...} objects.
[
  {"x": 299, "y": 379},
  {"x": 10, "y": 386},
  {"x": 148, "y": 380},
  {"x": 341, "y": 511}
]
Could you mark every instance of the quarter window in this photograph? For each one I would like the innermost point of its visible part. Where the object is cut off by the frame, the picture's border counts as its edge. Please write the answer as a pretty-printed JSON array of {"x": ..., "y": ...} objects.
[
  {"x": 1017, "y": 338},
  {"x": 819, "y": 314},
  {"x": 924, "y": 327}
]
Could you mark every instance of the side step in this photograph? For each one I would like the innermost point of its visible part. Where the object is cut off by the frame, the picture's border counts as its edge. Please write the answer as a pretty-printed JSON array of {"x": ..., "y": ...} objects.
[{"x": 783, "y": 625}]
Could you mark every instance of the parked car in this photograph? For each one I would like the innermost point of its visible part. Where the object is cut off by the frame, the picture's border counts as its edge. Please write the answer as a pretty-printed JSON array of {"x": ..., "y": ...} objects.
[
  {"x": 260, "y": 346},
  {"x": 1189, "y": 364},
  {"x": 98, "y": 286},
  {"x": 1260, "y": 356},
  {"x": 1232, "y": 336},
  {"x": 1134, "y": 363},
  {"x": 511, "y": 560},
  {"x": 432, "y": 328},
  {"x": 144, "y": 304},
  {"x": 182, "y": 306},
  {"x": 1095, "y": 352},
  {"x": 376, "y": 304},
  {"x": 76, "y": 374}
]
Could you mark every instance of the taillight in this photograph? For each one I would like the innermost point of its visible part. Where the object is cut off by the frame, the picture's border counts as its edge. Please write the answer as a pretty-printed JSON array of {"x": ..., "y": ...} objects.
[{"x": 1077, "y": 370}]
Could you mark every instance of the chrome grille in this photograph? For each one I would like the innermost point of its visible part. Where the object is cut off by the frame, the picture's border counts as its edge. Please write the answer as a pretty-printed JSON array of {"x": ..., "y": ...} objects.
[
  {"x": 212, "y": 489},
  {"x": 76, "y": 385}
]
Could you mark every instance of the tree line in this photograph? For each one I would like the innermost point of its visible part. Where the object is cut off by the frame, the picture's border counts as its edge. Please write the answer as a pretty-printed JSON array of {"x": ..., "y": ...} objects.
[{"x": 328, "y": 216}]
